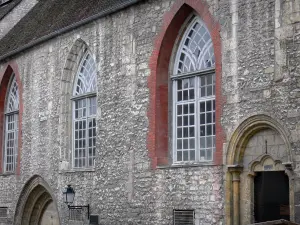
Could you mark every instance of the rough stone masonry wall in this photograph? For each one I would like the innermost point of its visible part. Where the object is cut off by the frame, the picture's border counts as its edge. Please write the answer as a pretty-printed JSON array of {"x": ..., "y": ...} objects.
[
  {"x": 261, "y": 72},
  {"x": 123, "y": 189},
  {"x": 265, "y": 43}
]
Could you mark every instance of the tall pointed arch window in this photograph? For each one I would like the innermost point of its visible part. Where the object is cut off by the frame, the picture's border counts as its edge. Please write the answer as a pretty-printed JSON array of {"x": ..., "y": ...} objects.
[
  {"x": 11, "y": 126},
  {"x": 193, "y": 82},
  {"x": 84, "y": 114}
]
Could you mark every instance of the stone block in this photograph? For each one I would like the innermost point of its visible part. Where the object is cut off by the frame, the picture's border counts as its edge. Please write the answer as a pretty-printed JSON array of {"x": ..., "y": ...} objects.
[
  {"x": 269, "y": 69},
  {"x": 293, "y": 113},
  {"x": 267, "y": 93}
]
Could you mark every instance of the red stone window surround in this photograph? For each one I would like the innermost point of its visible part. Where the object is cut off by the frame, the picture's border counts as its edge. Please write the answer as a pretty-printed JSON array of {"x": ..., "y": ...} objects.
[
  {"x": 158, "y": 81},
  {"x": 5, "y": 75}
]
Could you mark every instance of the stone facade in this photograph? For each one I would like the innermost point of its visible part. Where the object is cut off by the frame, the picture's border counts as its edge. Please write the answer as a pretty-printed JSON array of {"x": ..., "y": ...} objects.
[{"x": 260, "y": 76}]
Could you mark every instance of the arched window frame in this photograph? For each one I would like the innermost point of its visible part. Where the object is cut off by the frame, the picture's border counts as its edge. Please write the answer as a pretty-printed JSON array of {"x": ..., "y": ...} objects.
[
  {"x": 194, "y": 130},
  {"x": 11, "y": 127},
  {"x": 83, "y": 154}
]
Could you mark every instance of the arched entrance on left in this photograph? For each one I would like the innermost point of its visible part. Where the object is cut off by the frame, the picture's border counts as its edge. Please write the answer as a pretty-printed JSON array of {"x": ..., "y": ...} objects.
[{"x": 36, "y": 204}]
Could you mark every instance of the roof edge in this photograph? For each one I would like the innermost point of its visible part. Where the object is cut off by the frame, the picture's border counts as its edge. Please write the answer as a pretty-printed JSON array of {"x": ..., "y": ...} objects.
[
  {"x": 11, "y": 9},
  {"x": 68, "y": 28}
]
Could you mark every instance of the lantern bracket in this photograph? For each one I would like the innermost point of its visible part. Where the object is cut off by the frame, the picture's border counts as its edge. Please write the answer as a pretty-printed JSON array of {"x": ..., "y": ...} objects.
[
  {"x": 70, "y": 207},
  {"x": 69, "y": 195}
]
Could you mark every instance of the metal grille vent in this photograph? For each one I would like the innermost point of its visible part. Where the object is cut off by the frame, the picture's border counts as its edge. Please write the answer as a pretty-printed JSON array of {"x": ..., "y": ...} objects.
[
  {"x": 184, "y": 217},
  {"x": 3, "y": 212},
  {"x": 76, "y": 214}
]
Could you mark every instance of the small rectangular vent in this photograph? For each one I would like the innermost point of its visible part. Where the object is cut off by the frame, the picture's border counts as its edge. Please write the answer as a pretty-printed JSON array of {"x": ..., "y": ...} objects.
[
  {"x": 3, "y": 212},
  {"x": 184, "y": 217}
]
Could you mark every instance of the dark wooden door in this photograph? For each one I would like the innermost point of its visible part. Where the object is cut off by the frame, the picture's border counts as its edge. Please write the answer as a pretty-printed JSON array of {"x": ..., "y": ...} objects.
[{"x": 271, "y": 196}]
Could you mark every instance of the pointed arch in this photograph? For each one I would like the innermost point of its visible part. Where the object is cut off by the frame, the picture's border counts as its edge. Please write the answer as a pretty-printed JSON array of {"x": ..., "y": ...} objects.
[
  {"x": 76, "y": 73},
  {"x": 73, "y": 60},
  {"x": 33, "y": 199},
  {"x": 11, "y": 69},
  {"x": 195, "y": 51},
  {"x": 12, "y": 98},
  {"x": 85, "y": 80},
  {"x": 158, "y": 81}
]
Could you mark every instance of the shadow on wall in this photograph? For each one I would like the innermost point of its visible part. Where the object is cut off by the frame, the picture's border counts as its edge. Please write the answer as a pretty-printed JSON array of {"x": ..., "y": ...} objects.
[{"x": 50, "y": 216}]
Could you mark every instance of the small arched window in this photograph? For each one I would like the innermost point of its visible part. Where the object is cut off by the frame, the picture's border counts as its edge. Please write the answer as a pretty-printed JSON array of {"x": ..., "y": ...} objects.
[
  {"x": 84, "y": 113},
  {"x": 11, "y": 126},
  {"x": 194, "y": 95}
]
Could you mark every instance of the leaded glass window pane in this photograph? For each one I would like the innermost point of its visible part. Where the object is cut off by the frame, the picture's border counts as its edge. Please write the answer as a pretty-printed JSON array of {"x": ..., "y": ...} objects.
[
  {"x": 84, "y": 114},
  {"x": 195, "y": 51},
  {"x": 194, "y": 96},
  {"x": 85, "y": 132},
  {"x": 186, "y": 119},
  {"x": 11, "y": 127},
  {"x": 86, "y": 77},
  {"x": 195, "y": 119},
  {"x": 12, "y": 102}
]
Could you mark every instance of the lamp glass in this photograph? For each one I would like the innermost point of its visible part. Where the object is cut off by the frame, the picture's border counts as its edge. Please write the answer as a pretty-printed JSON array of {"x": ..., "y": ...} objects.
[{"x": 69, "y": 195}]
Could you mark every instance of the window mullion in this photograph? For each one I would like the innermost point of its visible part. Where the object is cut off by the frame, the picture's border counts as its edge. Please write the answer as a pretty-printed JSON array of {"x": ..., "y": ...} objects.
[
  {"x": 15, "y": 141},
  {"x": 87, "y": 132},
  {"x": 205, "y": 149},
  {"x": 5, "y": 145},
  {"x": 174, "y": 83},
  {"x": 197, "y": 144},
  {"x": 73, "y": 134}
]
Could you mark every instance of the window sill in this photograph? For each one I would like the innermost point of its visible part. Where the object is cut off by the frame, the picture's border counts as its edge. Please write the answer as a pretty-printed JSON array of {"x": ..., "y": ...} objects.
[
  {"x": 7, "y": 174},
  {"x": 187, "y": 165},
  {"x": 73, "y": 170}
]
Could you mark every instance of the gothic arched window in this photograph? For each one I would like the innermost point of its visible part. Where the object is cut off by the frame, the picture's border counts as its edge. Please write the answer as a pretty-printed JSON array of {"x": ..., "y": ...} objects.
[
  {"x": 11, "y": 126},
  {"x": 84, "y": 113},
  {"x": 194, "y": 95}
]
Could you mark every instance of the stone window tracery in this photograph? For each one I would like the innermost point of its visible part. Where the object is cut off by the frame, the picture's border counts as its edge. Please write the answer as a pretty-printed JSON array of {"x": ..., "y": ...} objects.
[
  {"x": 11, "y": 127},
  {"x": 194, "y": 96},
  {"x": 84, "y": 114}
]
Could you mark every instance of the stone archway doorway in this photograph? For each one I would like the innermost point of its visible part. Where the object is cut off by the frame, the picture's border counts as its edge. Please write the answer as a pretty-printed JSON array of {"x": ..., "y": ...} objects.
[
  {"x": 36, "y": 205},
  {"x": 258, "y": 145}
]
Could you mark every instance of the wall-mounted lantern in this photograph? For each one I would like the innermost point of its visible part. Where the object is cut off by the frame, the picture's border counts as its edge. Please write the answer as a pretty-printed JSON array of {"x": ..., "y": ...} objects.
[{"x": 69, "y": 195}]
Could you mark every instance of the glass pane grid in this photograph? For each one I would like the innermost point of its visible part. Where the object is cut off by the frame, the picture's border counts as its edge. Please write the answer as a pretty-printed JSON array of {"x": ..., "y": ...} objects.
[
  {"x": 11, "y": 142},
  {"x": 185, "y": 132},
  {"x": 195, "y": 120},
  {"x": 206, "y": 129},
  {"x": 92, "y": 141},
  {"x": 207, "y": 86},
  {"x": 84, "y": 132},
  {"x": 186, "y": 89}
]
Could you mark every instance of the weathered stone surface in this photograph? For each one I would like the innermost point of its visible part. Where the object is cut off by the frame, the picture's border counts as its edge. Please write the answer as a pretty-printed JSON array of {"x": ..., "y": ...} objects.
[{"x": 260, "y": 75}]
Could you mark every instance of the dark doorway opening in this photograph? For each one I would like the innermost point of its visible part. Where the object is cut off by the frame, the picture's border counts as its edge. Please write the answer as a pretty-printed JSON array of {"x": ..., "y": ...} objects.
[{"x": 271, "y": 196}]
